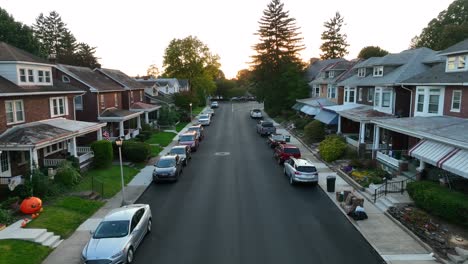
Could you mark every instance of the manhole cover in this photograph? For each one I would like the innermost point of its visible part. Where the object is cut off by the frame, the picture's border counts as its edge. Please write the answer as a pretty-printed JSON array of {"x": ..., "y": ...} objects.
[{"x": 222, "y": 153}]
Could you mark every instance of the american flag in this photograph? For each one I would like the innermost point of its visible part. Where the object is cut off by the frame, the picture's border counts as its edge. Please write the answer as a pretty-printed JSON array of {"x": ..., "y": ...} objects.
[{"x": 106, "y": 135}]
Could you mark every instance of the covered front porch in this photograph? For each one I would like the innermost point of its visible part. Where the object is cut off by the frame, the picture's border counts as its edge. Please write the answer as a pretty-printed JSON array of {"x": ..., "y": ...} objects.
[
  {"x": 150, "y": 111},
  {"x": 120, "y": 123}
]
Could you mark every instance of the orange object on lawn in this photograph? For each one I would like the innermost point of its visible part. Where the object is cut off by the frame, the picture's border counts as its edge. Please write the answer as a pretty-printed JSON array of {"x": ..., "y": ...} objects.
[
  {"x": 25, "y": 222},
  {"x": 31, "y": 205}
]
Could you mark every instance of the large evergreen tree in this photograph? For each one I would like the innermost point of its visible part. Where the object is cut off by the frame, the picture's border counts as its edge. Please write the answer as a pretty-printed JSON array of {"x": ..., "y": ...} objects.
[
  {"x": 334, "y": 42},
  {"x": 17, "y": 34},
  {"x": 277, "y": 69},
  {"x": 448, "y": 28}
]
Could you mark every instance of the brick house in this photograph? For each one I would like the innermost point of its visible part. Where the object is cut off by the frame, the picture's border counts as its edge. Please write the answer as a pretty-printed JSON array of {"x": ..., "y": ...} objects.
[{"x": 38, "y": 124}]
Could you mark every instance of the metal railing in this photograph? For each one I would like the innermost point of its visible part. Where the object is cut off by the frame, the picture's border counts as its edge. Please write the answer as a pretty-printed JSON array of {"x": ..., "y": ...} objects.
[
  {"x": 390, "y": 187},
  {"x": 97, "y": 186}
]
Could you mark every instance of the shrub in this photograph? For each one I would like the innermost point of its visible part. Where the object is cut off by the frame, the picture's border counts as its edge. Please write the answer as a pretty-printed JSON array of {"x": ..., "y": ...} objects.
[
  {"x": 136, "y": 151},
  {"x": 75, "y": 162},
  {"x": 5, "y": 217},
  {"x": 67, "y": 174},
  {"x": 167, "y": 116},
  {"x": 103, "y": 155},
  {"x": 356, "y": 163},
  {"x": 145, "y": 127},
  {"x": 300, "y": 123},
  {"x": 144, "y": 135},
  {"x": 440, "y": 201},
  {"x": 332, "y": 148},
  {"x": 40, "y": 183},
  {"x": 314, "y": 131},
  {"x": 23, "y": 190},
  {"x": 9, "y": 202}
]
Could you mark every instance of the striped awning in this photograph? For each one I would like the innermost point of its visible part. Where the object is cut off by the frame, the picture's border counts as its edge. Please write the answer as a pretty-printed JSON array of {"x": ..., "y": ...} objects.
[
  {"x": 326, "y": 117},
  {"x": 310, "y": 110},
  {"x": 457, "y": 163}
]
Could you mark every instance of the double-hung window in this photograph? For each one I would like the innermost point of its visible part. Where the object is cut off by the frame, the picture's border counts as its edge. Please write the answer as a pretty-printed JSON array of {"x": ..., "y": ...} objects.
[
  {"x": 101, "y": 101},
  {"x": 429, "y": 101},
  {"x": 383, "y": 99},
  {"x": 378, "y": 71},
  {"x": 30, "y": 76},
  {"x": 131, "y": 97},
  {"x": 456, "y": 63},
  {"x": 370, "y": 94},
  {"x": 47, "y": 76},
  {"x": 79, "y": 102},
  {"x": 14, "y": 111},
  {"x": 141, "y": 95},
  {"x": 361, "y": 72},
  {"x": 360, "y": 94},
  {"x": 331, "y": 74},
  {"x": 58, "y": 106},
  {"x": 40, "y": 76},
  {"x": 456, "y": 101},
  {"x": 22, "y": 75},
  {"x": 331, "y": 91},
  {"x": 116, "y": 100},
  {"x": 350, "y": 95},
  {"x": 316, "y": 90}
]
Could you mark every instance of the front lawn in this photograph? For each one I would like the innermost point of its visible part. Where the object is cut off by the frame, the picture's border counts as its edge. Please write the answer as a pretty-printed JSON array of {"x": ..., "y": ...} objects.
[
  {"x": 22, "y": 252},
  {"x": 110, "y": 177},
  {"x": 197, "y": 110},
  {"x": 161, "y": 138},
  {"x": 65, "y": 215},
  {"x": 181, "y": 126}
]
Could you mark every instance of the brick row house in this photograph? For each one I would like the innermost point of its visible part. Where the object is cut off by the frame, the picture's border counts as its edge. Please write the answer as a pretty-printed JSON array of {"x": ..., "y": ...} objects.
[{"x": 38, "y": 125}]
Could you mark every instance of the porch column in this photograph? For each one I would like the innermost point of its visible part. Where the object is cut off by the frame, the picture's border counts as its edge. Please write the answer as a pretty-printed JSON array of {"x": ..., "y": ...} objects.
[
  {"x": 376, "y": 141},
  {"x": 422, "y": 166},
  {"x": 121, "y": 129},
  {"x": 99, "y": 134},
  {"x": 362, "y": 133},
  {"x": 339, "y": 125},
  {"x": 139, "y": 122},
  {"x": 146, "y": 117},
  {"x": 33, "y": 160},
  {"x": 74, "y": 151},
  {"x": 157, "y": 114}
]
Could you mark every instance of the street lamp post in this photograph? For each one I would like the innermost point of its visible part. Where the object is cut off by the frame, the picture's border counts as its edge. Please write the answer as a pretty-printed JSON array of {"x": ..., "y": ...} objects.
[
  {"x": 190, "y": 112},
  {"x": 119, "y": 143}
]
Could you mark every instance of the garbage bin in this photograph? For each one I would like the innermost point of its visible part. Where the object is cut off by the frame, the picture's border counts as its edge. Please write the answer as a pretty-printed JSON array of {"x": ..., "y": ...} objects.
[
  {"x": 331, "y": 183},
  {"x": 287, "y": 138}
]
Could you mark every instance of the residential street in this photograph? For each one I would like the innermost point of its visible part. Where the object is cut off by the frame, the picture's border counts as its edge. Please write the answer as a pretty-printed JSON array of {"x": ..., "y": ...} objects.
[{"x": 234, "y": 205}]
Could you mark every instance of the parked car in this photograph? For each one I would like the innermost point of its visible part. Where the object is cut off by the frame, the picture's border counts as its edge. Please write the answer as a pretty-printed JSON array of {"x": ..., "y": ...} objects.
[
  {"x": 189, "y": 138},
  {"x": 256, "y": 113},
  {"x": 184, "y": 152},
  {"x": 199, "y": 129},
  {"x": 204, "y": 119},
  {"x": 275, "y": 139},
  {"x": 300, "y": 170},
  {"x": 167, "y": 168},
  {"x": 118, "y": 235},
  {"x": 285, "y": 151},
  {"x": 265, "y": 128},
  {"x": 210, "y": 111},
  {"x": 214, "y": 104}
]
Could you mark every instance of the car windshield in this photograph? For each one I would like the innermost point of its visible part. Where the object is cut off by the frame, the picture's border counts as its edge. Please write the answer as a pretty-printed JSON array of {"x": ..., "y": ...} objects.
[
  {"x": 186, "y": 138},
  {"x": 306, "y": 169},
  {"x": 112, "y": 229},
  {"x": 291, "y": 150},
  {"x": 256, "y": 110},
  {"x": 178, "y": 151},
  {"x": 204, "y": 117},
  {"x": 193, "y": 129},
  {"x": 267, "y": 124},
  {"x": 165, "y": 163}
]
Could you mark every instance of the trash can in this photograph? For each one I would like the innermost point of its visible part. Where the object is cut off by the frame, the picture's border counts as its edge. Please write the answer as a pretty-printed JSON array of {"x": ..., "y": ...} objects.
[
  {"x": 287, "y": 138},
  {"x": 331, "y": 183}
]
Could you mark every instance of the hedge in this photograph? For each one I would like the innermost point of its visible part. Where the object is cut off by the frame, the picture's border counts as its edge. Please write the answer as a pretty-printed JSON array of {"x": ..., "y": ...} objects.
[
  {"x": 332, "y": 148},
  {"x": 136, "y": 151},
  {"x": 103, "y": 154},
  {"x": 440, "y": 201},
  {"x": 314, "y": 131},
  {"x": 67, "y": 174}
]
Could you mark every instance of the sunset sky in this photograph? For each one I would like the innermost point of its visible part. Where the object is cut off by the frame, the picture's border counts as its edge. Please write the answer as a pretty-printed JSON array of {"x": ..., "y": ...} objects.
[{"x": 131, "y": 35}]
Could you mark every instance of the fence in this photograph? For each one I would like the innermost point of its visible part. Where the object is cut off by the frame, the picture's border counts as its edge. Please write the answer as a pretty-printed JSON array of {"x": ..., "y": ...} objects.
[
  {"x": 390, "y": 187},
  {"x": 97, "y": 186}
]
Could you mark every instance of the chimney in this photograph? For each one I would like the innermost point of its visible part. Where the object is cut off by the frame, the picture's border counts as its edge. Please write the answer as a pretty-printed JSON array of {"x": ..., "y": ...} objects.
[{"x": 52, "y": 58}]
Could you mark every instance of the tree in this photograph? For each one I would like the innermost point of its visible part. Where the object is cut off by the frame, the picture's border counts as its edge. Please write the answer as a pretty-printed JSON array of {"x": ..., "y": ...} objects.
[
  {"x": 448, "y": 28},
  {"x": 371, "y": 51},
  {"x": 152, "y": 71},
  {"x": 17, "y": 34},
  {"x": 191, "y": 59},
  {"x": 334, "y": 45},
  {"x": 277, "y": 69},
  {"x": 85, "y": 57}
]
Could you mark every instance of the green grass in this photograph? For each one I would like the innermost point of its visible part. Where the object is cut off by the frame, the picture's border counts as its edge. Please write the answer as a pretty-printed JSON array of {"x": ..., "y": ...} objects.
[
  {"x": 65, "y": 215},
  {"x": 110, "y": 177},
  {"x": 181, "y": 126},
  {"x": 155, "y": 150},
  {"x": 197, "y": 110},
  {"x": 22, "y": 252},
  {"x": 161, "y": 138}
]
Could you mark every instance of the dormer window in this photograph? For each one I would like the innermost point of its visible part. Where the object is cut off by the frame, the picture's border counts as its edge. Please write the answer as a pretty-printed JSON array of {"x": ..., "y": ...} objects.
[
  {"x": 47, "y": 76},
  {"x": 40, "y": 76},
  {"x": 361, "y": 72},
  {"x": 322, "y": 75},
  {"x": 456, "y": 63},
  {"x": 22, "y": 74},
  {"x": 65, "y": 79},
  {"x": 378, "y": 71},
  {"x": 30, "y": 76},
  {"x": 331, "y": 74}
]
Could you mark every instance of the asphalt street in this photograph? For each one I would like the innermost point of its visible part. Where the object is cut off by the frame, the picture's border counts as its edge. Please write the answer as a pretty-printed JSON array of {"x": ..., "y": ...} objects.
[{"x": 234, "y": 205}]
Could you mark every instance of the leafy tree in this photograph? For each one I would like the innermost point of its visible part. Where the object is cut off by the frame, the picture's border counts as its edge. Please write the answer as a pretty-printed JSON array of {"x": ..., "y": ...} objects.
[
  {"x": 183, "y": 99},
  {"x": 225, "y": 87},
  {"x": 277, "y": 69},
  {"x": 84, "y": 56},
  {"x": 191, "y": 59},
  {"x": 152, "y": 71},
  {"x": 448, "y": 28},
  {"x": 371, "y": 51},
  {"x": 17, "y": 34},
  {"x": 334, "y": 45}
]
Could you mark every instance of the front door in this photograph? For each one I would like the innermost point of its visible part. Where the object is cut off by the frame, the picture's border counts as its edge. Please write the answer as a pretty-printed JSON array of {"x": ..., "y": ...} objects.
[{"x": 5, "y": 169}]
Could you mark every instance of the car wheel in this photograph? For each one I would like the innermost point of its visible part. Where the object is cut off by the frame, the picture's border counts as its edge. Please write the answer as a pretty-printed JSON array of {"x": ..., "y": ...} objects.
[
  {"x": 291, "y": 180},
  {"x": 130, "y": 255},
  {"x": 148, "y": 228}
]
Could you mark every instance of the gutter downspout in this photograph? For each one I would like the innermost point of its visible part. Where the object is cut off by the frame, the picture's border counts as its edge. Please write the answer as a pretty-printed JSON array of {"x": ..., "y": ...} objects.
[{"x": 411, "y": 99}]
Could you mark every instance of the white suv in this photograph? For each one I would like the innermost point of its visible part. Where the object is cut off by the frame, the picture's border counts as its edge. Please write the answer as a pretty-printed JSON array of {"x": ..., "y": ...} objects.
[
  {"x": 256, "y": 113},
  {"x": 300, "y": 170}
]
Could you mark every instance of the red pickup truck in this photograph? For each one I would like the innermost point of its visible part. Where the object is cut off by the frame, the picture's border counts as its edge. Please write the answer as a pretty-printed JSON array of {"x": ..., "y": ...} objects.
[{"x": 284, "y": 151}]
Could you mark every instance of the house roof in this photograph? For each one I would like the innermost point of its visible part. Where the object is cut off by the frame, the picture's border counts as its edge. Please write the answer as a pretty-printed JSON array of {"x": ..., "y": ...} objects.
[
  {"x": 8, "y": 88},
  {"x": 316, "y": 102},
  {"x": 460, "y": 47},
  {"x": 437, "y": 76},
  {"x": 313, "y": 69},
  {"x": 11, "y": 53},
  {"x": 363, "y": 113},
  {"x": 342, "y": 69},
  {"x": 406, "y": 64},
  {"x": 92, "y": 79},
  {"x": 115, "y": 114},
  {"x": 145, "y": 107},
  {"x": 166, "y": 81},
  {"x": 443, "y": 129},
  {"x": 122, "y": 78}
]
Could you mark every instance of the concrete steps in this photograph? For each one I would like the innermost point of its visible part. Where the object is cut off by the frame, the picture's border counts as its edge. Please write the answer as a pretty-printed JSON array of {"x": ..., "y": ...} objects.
[
  {"x": 51, "y": 241},
  {"x": 36, "y": 235}
]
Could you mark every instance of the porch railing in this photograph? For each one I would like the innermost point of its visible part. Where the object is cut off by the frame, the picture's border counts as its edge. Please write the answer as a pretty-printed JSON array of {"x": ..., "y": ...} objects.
[
  {"x": 6, "y": 180},
  {"x": 135, "y": 133},
  {"x": 52, "y": 162},
  {"x": 351, "y": 141},
  {"x": 85, "y": 157},
  {"x": 390, "y": 187},
  {"x": 83, "y": 149},
  {"x": 387, "y": 159},
  {"x": 370, "y": 146}
]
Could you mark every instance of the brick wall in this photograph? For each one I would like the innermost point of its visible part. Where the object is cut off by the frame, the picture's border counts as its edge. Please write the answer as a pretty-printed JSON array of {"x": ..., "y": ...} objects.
[{"x": 448, "y": 102}]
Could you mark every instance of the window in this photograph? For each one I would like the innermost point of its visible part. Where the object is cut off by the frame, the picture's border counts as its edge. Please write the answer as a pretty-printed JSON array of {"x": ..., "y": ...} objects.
[
  {"x": 116, "y": 100},
  {"x": 322, "y": 75},
  {"x": 79, "y": 102},
  {"x": 54, "y": 148},
  {"x": 361, "y": 72},
  {"x": 331, "y": 91},
  {"x": 331, "y": 74},
  {"x": 386, "y": 99},
  {"x": 30, "y": 76},
  {"x": 22, "y": 74},
  {"x": 141, "y": 95},
  {"x": 131, "y": 96},
  {"x": 40, "y": 76},
  {"x": 4, "y": 163},
  {"x": 58, "y": 106},
  {"x": 14, "y": 111},
  {"x": 101, "y": 101},
  {"x": 360, "y": 94},
  {"x": 370, "y": 94},
  {"x": 350, "y": 95},
  {"x": 47, "y": 76},
  {"x": 65, "y": 79},
  {"x": 316, "y": 90},
  {"x": 456, "y": 101},
  {"x": 456, "y": 63},
  {"x": 383, "y": 99},
  {"x": 167, "y": 89},
  {"x": 429, "y": 101},
  {"x": 378, "y": 71}
]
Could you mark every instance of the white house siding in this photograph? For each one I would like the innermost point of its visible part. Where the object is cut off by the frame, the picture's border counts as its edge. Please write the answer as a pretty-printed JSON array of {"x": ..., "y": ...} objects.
[
  {"x": 35, "y": 68},
  {"x": 9, "y": 72}
]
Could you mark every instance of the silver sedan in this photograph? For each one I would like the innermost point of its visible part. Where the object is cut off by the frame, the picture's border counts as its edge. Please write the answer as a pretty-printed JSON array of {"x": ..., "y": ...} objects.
[{"x": 118, "y": 235}]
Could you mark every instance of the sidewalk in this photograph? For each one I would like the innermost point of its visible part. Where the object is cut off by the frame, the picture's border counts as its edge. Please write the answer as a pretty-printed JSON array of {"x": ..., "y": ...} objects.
[{"x": 393, "y": 243}]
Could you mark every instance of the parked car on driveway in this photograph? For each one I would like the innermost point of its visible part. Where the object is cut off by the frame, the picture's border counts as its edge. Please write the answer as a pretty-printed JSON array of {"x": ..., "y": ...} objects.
[
  {"x": 204, "y": 119},
  {"x": 167, "y": 168},
  {"x": 189, "y": 138},
  {"x": 256, "y": 113},
  {"x": 199, "y": 129},
  {"x": 118, "y": 235},
  {"x": 214, "y": 104},
  {"x": 285, "y": 151},
  {"x": 265, "y": 128},
  {"x": 300, "y": 170},
  {"x": 184, "y": 152}
]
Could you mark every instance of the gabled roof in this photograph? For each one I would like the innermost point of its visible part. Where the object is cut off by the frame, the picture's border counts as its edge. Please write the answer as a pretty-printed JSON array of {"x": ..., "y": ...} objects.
[
  {"x": 412, "y": 65},
  {"x": 437, "y": 76},
  {"x": 166, "y": 81},
  {"x": 8, "y": 88},
  {"x": 122, "y": 78},
  {"x": 460, "y": 47},
  {"x": 11, "y": 53},
  {"x": 342, "y": 69},
  {"x": 117, "y": 115},
  {"x": 94, "y": 80},
  {"x": 140, "y": 106},
  {"x": 314, "y": 68}
]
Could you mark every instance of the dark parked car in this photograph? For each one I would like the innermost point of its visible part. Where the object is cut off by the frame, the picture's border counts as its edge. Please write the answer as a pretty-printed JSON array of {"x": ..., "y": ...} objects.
[
  {"x": 285, "y": 151},
  {"x": 168, "y": 168}
]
